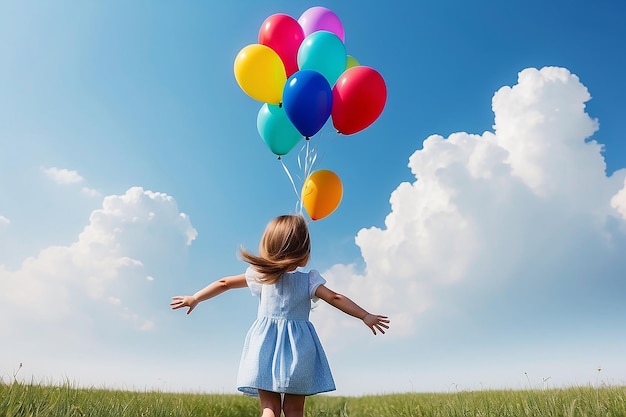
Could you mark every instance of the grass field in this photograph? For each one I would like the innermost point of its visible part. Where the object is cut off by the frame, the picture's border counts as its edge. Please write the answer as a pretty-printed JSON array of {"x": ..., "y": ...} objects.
[{"x": 38, "y": 400}]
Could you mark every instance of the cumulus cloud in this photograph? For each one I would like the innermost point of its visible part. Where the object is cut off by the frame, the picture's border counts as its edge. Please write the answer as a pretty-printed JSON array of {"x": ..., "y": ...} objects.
[
  {"x": 65, "y": 176},
  {"x": 106, "y": 267},
  {"x": 618, "y": 202},
  {"x": 90, "y": 192},
  {"x": 524, "y": 215},
  {"x": 62, "y": 175}
]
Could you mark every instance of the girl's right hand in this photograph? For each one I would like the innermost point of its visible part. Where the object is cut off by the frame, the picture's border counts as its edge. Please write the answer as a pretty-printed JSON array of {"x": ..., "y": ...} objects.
[
  {"x": 376, "y": 323},
  {"x": 181, "y": 301}
]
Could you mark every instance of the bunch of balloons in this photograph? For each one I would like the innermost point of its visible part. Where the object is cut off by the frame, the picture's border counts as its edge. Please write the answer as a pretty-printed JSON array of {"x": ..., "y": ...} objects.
[{"x": 301, "y": 72}]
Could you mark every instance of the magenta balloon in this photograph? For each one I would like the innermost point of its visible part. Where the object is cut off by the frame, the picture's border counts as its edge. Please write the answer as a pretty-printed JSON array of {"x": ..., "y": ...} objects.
[{"x": 320, "y": 18}]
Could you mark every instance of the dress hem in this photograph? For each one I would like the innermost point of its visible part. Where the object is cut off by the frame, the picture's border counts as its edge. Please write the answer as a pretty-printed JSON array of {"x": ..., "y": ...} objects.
[{"x": 254, "y": 392}]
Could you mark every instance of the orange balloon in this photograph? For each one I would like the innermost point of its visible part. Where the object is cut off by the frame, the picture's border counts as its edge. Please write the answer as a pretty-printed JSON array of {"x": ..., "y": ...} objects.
[{"x": 321, "y": 193}]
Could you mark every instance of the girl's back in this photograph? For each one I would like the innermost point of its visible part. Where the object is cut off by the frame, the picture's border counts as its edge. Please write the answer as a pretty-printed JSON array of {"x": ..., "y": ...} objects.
[
  {"x": 289, "y": 297},
  {"x": 282, "y": 352}
]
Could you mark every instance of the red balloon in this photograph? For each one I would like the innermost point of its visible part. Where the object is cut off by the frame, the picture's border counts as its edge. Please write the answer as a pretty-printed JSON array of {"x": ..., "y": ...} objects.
[
  {"x": 359, "y": 96},
  {"x": 284, "y": 35}
]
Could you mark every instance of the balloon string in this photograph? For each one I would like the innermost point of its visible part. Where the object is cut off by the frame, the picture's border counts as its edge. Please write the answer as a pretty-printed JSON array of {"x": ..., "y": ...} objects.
[
  {"x": 309, "y": 159},
  {"x": 300, "y": 158},
  {"x": 306, "y": 163},
  {"x": 306, "y": 160},
  {"x": 293, "y": 184},
  {"x": 329, "y": 141},
  {"x": 312, "y": 158}
]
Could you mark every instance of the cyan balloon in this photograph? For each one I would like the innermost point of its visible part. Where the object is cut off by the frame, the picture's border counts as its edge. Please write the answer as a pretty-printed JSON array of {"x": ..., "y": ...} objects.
[
  {"x": 308, "y": 101},
  {"x": 276, "y": 130},
  {"x": 325, "y": 53}
]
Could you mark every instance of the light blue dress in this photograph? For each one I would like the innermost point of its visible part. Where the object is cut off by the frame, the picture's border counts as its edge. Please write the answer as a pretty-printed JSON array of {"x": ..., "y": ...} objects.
[{"x": 282, "y": 352}]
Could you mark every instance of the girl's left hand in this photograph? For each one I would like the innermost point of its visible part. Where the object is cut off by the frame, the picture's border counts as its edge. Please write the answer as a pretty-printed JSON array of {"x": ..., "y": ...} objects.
[
  {"x": 181, "y": 301},
  {"x": 376, "y": 322}
]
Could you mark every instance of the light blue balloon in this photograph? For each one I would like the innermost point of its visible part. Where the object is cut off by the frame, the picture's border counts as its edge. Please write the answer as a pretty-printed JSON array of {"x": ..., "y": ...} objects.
[
  {"x": 276, "y": 130},
  {"x": 324, "y": 52}
]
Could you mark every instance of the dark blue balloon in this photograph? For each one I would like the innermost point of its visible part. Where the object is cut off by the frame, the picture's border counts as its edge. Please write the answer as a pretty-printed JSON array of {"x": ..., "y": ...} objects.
[{"x": 308, "y": 101}]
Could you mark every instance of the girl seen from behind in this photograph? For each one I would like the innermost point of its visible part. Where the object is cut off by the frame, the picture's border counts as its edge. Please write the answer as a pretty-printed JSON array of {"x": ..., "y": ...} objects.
[{"x": 283, "y": 360}]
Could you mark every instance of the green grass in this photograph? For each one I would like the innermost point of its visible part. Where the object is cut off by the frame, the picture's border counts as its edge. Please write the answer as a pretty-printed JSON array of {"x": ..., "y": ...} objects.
[{"x": 38, "y": 400}]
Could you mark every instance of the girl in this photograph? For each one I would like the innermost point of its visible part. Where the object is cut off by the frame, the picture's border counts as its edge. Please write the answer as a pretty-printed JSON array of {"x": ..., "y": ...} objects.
[{"x": 283, "y": 360}]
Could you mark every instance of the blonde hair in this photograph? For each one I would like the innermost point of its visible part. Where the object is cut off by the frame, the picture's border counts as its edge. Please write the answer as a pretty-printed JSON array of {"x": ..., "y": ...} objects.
[{"x": 285, "y": 245}]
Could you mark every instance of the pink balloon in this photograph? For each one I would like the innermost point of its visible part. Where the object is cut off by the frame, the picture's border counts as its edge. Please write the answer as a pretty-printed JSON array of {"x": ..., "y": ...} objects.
[
  {"x": 284, "y": 35},
  {"x": 320, "y": 18}
]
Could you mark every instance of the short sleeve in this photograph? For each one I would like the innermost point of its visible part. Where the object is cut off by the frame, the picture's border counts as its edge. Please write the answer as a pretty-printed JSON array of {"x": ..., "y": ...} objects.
[
  {"x": 252, "y": 281},
  {"x": 315, "y": 280}
]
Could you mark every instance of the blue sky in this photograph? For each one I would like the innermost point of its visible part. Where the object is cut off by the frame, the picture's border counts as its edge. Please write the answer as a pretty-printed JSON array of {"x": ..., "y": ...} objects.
[{"x": 484, "y": 211}]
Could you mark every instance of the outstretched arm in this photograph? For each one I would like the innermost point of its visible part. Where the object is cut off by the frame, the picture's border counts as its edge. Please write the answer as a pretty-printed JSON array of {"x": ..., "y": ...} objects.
[
  {"x": 214, "y": 289},
  {"x": 343, "y": 303}
]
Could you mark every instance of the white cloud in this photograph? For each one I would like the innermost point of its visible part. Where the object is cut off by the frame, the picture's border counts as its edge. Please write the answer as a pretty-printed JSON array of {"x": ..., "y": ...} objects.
[
  {"x": 62, "y": 176},
  {"x": 495, "y": 223},
  {"x": 103, "y": 271},
  {"x": 65, "y": 176},
  {"x": 114, "y": 300},
  {"x": 90, "y": 192},
  {"x": 4, "y": 221},
  {"x": 618, "y": 202}
]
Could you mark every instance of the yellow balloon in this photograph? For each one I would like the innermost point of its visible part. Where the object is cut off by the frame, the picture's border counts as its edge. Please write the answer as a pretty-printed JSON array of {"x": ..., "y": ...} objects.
[
  {"x": 351, "y": 62},
  {"x": 260, "y": 73},
  {"x": 321, "y": 193}
]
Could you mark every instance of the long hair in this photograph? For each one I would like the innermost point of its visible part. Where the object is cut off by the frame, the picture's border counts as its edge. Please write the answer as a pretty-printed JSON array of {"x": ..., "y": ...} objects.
[{"x": 285, "y": 245}]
